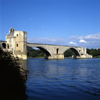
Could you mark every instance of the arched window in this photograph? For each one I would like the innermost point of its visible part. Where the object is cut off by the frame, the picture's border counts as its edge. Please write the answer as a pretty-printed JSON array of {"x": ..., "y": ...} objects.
[
  {"x": 3, "y": 45},
  {"x": 17, "y": 45},
  {"x": 57, "y": 50}
]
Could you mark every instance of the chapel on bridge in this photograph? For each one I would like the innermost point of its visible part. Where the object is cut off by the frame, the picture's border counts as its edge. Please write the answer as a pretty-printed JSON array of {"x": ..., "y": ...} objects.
[{"x": 16, "y": 42}]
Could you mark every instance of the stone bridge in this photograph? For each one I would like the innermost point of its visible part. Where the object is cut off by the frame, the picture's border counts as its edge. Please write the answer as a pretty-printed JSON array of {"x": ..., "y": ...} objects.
[
  {"x": 57, "y": 51},
  {"x": 16, "y": 42},
  {"x": 2, "y": 42}
]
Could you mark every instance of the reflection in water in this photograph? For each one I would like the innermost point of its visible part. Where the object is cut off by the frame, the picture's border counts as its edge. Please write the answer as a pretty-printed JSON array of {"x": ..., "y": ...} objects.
[
  {"x": 12, "y": 84},
  {"x": 68, "y": 79},
  {"x": 23, "y": 64}
]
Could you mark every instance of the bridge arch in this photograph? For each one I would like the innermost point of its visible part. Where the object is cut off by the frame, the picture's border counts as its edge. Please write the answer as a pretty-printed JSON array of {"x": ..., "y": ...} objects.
[
  {"x": 3, "y": 45},
  {"x": 45, "y": 50},
  {"x": 74, "y": 50}
]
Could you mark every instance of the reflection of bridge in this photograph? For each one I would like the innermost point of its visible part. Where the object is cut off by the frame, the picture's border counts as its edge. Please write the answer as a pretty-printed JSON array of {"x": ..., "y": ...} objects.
[{"x": 16, "y": 42}]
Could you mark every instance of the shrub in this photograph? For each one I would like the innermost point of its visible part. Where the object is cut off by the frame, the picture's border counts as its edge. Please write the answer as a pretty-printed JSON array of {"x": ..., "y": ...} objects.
[{"x": 12, "y": 81}]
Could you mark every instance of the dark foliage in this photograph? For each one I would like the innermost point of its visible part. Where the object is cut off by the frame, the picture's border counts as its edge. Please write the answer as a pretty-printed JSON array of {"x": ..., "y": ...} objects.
[
  {"x": 94, "y": 52},
  {"x": 12, "y": 81},
  {"x": 35, "y": 53},
  {"x": 67, "y": 53}
]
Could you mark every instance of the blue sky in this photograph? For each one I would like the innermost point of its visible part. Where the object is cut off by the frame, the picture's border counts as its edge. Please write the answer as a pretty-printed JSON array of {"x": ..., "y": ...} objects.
[{"x": 62, "y": 22}]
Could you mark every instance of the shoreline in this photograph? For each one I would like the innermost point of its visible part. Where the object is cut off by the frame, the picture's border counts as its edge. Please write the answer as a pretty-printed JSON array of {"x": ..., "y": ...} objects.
[{"x": 64, "y": 57}]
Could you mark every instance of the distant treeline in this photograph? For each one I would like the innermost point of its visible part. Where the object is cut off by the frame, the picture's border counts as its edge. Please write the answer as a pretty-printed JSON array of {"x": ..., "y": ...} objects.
[
  {"x": 35, "y": 53},
  {"x": 68, "y": 53},
  {"x": 94, "y": 52}
]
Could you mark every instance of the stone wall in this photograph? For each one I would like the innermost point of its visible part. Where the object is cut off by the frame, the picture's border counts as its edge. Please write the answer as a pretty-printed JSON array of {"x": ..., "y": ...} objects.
[{"x": 17, "y": 42}]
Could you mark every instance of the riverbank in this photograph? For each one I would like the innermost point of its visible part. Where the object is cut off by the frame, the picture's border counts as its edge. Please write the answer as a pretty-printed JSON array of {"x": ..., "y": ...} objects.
[
  {"x": 13, "y": 78},
  {"x": 35, "y": 57},
  {"x": 64, "y": 57},
  {"x": 96, "y": 56}
]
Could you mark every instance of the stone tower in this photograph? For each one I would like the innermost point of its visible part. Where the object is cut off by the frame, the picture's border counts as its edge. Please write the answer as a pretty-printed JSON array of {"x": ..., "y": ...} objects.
[{"x": 17, "y": 43}]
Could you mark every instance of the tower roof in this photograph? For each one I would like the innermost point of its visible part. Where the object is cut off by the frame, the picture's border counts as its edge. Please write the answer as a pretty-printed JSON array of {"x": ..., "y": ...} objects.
[{"x": 11, "y": 29}]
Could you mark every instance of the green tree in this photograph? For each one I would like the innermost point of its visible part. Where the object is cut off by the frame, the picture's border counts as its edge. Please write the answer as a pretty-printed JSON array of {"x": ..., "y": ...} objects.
[
  {"x": 68, "y": 53},
  {"x": 12, "y": 81},
  {"x": 35, "y": 53},
  {"x": 94, "y": 52}
]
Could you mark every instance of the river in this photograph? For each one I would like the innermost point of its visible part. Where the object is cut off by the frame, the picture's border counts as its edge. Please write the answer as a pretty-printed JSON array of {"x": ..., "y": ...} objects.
[{"x": 68, "y": 79}]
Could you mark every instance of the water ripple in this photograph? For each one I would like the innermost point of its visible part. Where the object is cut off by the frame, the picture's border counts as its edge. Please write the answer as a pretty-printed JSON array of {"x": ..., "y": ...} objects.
[{"x": 67, "y": 79}]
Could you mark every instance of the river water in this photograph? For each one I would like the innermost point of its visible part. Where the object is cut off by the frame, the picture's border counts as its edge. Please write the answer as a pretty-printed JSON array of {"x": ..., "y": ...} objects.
[{"x": 68, "y": 79}]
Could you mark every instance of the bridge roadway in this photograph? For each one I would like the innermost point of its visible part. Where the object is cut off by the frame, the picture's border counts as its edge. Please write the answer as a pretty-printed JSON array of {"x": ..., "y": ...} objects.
[
  {"x": 57, "y": 51},
  {"x": 2, "y": 42}
]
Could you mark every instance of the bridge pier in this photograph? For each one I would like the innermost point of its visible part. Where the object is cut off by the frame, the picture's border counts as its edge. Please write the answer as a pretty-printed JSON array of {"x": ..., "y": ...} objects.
[
  {"x": 84, "y": 56},
  {"x": 55, "y": 56},
  {"x": 16, "y": 42}
]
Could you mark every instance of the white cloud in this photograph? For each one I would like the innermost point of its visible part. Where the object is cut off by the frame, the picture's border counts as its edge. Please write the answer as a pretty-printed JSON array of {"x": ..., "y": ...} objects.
[
  {"x": 89, "y": 41},
  {"x": 72, "y": 43},
  {"x": 56, "y": 41},
  {"x": 93, "y": 36},
  {"x": 82, "y": 41}
]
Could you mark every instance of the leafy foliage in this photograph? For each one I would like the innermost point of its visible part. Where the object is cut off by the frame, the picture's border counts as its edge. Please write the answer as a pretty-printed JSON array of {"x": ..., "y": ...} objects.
[
  {"x": 35, "y": 53},
  {"x": 12, "y": 81},
  {"x": 67, "y": 53},
  {"x": 94, "y": 52}
]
